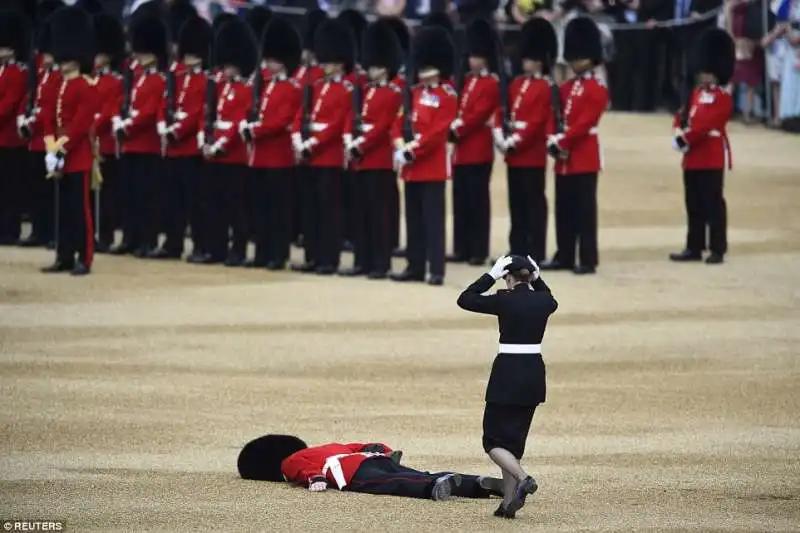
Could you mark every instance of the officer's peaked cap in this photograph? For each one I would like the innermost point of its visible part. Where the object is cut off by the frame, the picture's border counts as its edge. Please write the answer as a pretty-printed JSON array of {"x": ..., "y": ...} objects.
[
  {"x": 381, "y": 48},
  {"x": 519, "y": 263},
  {"x": 195, "y": 38},
  {"x": 282, "y": 43},
  {"x": 715, "y": 54},
  {"x": 538, "y": 41},
  {"x": 334, "y": 43},
  {"x": 433, "y": 48},
  {"x": 261, "y": 459},
  {"x": 582, "y": 41},
  {"x": 236, "y": 45}
]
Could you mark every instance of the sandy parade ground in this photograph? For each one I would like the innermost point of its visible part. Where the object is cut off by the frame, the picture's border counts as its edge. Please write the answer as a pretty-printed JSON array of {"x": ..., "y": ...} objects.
[{"x": 673, "y": 390}]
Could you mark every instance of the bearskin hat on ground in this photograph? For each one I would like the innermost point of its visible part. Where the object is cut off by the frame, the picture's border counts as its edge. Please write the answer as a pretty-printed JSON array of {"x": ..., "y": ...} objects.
[
  {"x": 380, "y": 47},
  {"x": 715, "y": 53},
  {"x": 357, "y": 23},
  {"x": 93, "y": 7},
  {"x": 235, "y": 44},
  {"x": 261, "y": 459},
  {"x": 179, "y": 12},
  {"x": 73, "y": 37},
  {"x": 439, "y": 19},
  {"x": 109, "y": 37},
  {"x": 333, "y": 43},
  {"x": 258, "y": 17},
  {"x": 400, "y": 29},
  {"x": 282, "y": 43},
  {"x": 582, "y": 41},
  {"x": 311, "y": 24},
  {"x": 195, "y": 38},
  {"x": 538, "y": 41},
  {"x": 433, "y": 48},
  {"x": 149, "y": 36},
  {"x": 14, "y": 28}
]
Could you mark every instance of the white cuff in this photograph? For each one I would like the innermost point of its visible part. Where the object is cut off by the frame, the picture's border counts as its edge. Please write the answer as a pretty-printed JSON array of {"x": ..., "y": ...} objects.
[{"x": 161, "y": 128}]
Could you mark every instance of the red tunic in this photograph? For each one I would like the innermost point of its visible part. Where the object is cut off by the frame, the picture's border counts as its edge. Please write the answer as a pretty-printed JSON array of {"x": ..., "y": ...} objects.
[
  {"x": 530, "y": 118},
  {"x": 233, "y": 102},
  {"x": 75, "y": 107},
  {"x": 272, "y": 136},
  {"x": 331, "y": 104},
  {"x": 584, "y": 100},
  {"x": 314, "y": 72},
  {"x": 13, "y": 77},
  {"x": 434, "y": 109},
  {"x": 109, "y": 95},
  {"x": 379, "y": 109},
  {"x": 477, "y": 106},
  {"x": 707, "y": 140},
  {"x": 48, "y": 83},
  {"x": 336, "y": 462},
  {"x": 189, "y": 106},
  {"x": 147, "y": 98},
  {"x": 357, "y": 77}
]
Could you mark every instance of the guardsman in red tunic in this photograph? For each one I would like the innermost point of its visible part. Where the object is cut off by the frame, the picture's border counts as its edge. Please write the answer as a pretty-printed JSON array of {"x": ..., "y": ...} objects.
[
  {"x": 474, "y": 153},
  {"x": 706, "y": 150},
  {"x": 110, "y": 51},
  {"x": 70, "y": 144},
  {"x": 317, "y": 138},
  {"x": 524, "y": 143},
  {"x": 368, "y": 143},
  {"x": 271, "y": 156},
  {"x": 37, "y": 192},
  {"x": 236, "y": 51},
  {"x": 423, "y": 159},
  {"x": 141, "y": 143},
  {"x": 178, "y": 125},
  {"x": 576, "y": 150},
  {"x": 14, "y": 42}
]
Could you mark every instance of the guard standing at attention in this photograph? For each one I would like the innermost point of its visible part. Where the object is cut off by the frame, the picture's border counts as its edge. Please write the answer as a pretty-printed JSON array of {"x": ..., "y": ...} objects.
[
  {"x": 517, "y": 383},
  {"x": 69, "y": 142},
  {"x": 706, "y": 149}
]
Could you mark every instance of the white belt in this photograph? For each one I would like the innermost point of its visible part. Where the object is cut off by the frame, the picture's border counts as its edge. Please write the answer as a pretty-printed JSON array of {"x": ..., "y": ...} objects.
[
  {"x": 317, "y": 127},
  {"x": 223, "y": 125},
  {"x": 520, "y": 125},
  {"x": 334, "y": 466},
  {"x": 714, "y": 133},
  {"x": 520, "y": 348},
  {"x": 180, "y": 115}
]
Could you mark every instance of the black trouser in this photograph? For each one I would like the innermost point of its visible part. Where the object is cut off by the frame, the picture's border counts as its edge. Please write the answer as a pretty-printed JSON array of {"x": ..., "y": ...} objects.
[
  {"x": 347, "y": 194},
  {"x": 381, "y": 475},
  {"x": 139, "y": 187},
  {"x": 75, "y": 228},
  {"x": 322, "y": 237},
  {"x": 269, "y": 193},
  {"x": 630, "y": 91},
  {"x": 11, "y": 168},
  {"x": 425, "y": 226},
  {"x": 394, "y": 214},
  {"x": 298, "y": 198},
  {"x": 180, "y": 172},
  {"x": 527, "y": 205},
  {"x": 372, "y": 207},
  {"x": 706, "y": 208},
  {"x": 200, "y": 205},
  {"x": 109, "y": 197},
  {"x": 471, "y": 210},
  {"x": 576, "y": 218},
  {"x": 228, "y": 210},
  {"x": 40, "y": 199}
]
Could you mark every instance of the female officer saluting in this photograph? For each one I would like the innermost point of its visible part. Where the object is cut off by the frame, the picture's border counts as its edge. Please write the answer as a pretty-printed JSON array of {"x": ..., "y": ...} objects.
[{"x": 517, "y": 383}]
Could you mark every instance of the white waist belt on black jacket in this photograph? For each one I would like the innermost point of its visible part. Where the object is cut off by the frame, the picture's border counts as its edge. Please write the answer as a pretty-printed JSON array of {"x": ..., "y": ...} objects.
[{"x": 520, "y": 348}]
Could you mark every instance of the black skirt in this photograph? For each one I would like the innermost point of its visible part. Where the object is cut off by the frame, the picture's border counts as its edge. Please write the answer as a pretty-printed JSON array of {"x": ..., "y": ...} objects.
[
  {"x": 506, "y": 426},
  {"x": 517, "y": 379}
]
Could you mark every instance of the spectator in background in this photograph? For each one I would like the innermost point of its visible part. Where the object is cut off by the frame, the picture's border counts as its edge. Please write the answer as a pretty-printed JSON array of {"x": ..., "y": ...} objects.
[
  {"x": 788, "y": 17},
  {"x": 749, "y": 71},
  {"x": 631, "y": 88},
  {"x": 776, "y": 48}
]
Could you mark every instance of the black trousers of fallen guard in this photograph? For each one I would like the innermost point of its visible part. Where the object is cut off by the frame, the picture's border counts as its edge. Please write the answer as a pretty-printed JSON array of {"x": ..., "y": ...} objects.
[
  {"x": 11, "y": 174},
  {"x": 425, "y": 226},
  {"x": 381, "y": 475},
  {"x": 371, "y": 209},
  {"x": 576, "y": 218},
  {"x": 706, "y": 209},
  {"x": 322, "y": 237},
  {"x": 527, "y": 206},
  {"x": 471, "y": 211},
  {"x": 270, "y": 197},
  {"x": 227, "y": 213},
  {"x": 40, "y": 197}
]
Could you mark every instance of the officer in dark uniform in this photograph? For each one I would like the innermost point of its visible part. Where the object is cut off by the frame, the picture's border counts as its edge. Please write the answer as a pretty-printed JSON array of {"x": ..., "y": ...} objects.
[{"x": 517, "y": 383}]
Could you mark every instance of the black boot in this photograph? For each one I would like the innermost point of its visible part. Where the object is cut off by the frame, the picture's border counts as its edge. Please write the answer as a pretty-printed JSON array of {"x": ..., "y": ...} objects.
[
  {"x": 686, "y": 255},
  {"x": 59, "y": 266},
  {"x": 556, "y": 264},
  {"x": 715, "y": 259},
  {"x": 306, "y": 268},
  {"x": 351, "y": 272},
  {"x": 80, "y": 270},
  {"x": 407, "y": 275}
]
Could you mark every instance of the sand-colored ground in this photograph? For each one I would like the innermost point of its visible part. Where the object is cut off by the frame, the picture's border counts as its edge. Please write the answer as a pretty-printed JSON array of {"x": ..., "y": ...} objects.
[{"x": 674, "y": 390}]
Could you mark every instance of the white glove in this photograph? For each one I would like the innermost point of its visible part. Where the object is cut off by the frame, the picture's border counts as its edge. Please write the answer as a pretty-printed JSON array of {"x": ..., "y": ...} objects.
[
  {"x": 201, "y": 139},
  {"x": 457, "y": 123},
  {"x": 536, "y": 270},
  {"x": 348, "y": 141},
  {"x": 499, "y": 141},
  {"x": 51, "y": 162},
  {"x": 500, "y": 267},
  {"x": 399, "y": 159},
  {"x": 20, "y": 121},
  {"x": 214, "y": 149},
  {"x": 243, "y": 125},
  {"x": 297, "y": 142},
  {"x": 678, "y": 148},
  {"x": 511, "y": 142},
  {"x": 318, "y": 486},
  {"x": 117, "y": 124},
  {"x": 161, "y": 128}
]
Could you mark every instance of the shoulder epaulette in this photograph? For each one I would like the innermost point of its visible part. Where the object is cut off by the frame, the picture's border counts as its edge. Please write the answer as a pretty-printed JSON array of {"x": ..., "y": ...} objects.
[
  {"x": 90, "y": 80},
  {"x": 296, "y": 84},
  {"x": 347, "y": 85},
  {"x": 396, "y": 88},
  {"x": 495, "y": 76},
  {"x": 449, "y": 90}
]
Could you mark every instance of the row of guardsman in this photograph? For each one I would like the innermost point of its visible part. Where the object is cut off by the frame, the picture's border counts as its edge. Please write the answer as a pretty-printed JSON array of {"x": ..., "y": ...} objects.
[{"x": 251, "y": 130}]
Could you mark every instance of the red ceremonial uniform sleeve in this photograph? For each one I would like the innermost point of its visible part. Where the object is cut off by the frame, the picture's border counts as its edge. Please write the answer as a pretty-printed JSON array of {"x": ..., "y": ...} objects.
[
  {"x": 109, "y": 92},
  {"x": 397, "y": 124},
  {"x": 193, "y": 105},
  {"x": 676, "y": 120},
  {"x": 147, "y": 115},
  {"x": 436, "y": 134},
  {"x": 593, "y": 105},
  {"x": 13, "y": 93},
  {"x": 383, "y": 123},
  {"x": 709, "y": 117},
  {"x": 302, "y": 466},
  {"x": 480, "y": 110},
  {"x": 81, "y": 124},
  {"x": 238, "y": 113},
  {"x": 45, "y": 122},
  {"x": 279, "y": 119},
  {"x": 343, "y": 106}
]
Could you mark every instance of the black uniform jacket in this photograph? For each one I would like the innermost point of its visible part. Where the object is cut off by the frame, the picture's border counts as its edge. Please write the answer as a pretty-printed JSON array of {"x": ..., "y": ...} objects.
[{"x": 522, "y": 314}]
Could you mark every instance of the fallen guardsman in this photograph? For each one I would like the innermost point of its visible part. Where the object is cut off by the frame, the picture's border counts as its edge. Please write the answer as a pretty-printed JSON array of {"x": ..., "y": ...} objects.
[{"x": 372, "y": 468}]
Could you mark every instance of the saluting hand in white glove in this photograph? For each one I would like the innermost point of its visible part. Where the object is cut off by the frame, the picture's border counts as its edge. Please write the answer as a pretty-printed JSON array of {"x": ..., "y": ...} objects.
[
  {"x": 500, "y": 267},
  {"x": 536, "y": 270}
]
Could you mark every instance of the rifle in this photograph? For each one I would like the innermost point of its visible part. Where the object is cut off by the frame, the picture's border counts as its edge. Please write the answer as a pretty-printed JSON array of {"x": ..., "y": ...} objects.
[
  {"x": 555, "y": 102},
  {"x": 308, "y": 95},
  {"x": 33, "y": 81},
  {"x": 211, "y": 108},
  {"x": 502, "y": 76},
  {"x": 125, "y": 108},
  {"x": 408, "y": 97},
  {"x": 686, "y": 92},
  {"x": 255, "y": 103}
]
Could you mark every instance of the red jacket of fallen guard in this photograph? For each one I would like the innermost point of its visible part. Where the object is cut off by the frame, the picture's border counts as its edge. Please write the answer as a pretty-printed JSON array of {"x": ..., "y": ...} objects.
[
  {"x": 336, "y": 462},
  {"x": 707, "y": 140}
]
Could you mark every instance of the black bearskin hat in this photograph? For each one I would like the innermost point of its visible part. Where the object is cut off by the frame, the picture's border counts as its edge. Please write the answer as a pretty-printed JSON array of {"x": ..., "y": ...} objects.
[
  {"x": 14, "y": 29},
  {"x": 258, "y": 17},
  {"x": 400, "y": 29},
  {"x": 221, "y": 19},
  {"x": 380, "y": 47},
  {"x": 93, "y": 7},
  {"x": 439, "y": 19},
  {"x": 44, "y": 34},
  {"x": 151, "y": 9},
  {"x": 47, "y": 8},
  {"x": 195, "y": 38},
  {"x": 179, "y": 12},
  {"x": 149, "y": 36},
  {"x": 311, "y": 24},
  {"x": 25, "y": 7},
  {"x": 109, "y": 37},
  {"x": 357, "y": 23},
  {"x": 73, "y": 37},
  {"x": 236, "y": 45},
  {"x": 261, "y": 459},
  {"x": 333, "y": 43},
  {"x": 481, "y": 40},
  {"x": 715, "y": 54},
  {"x": 433, "y": 48},
  {"x": 538, "y": 41},
  {"x": 282, "y": 43},
  {"x": 582, "y": 41}
]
